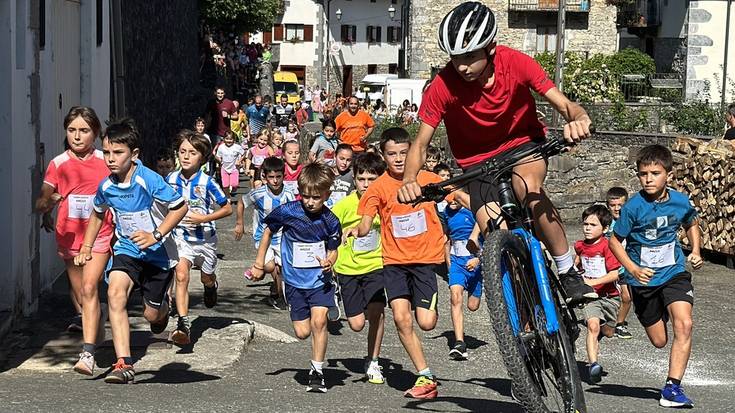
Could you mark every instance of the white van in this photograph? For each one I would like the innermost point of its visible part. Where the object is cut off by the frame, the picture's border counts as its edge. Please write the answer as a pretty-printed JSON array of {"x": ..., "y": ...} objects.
[
  {"x": 398, "y": 90},
  {"x": 373, "y": 86}
]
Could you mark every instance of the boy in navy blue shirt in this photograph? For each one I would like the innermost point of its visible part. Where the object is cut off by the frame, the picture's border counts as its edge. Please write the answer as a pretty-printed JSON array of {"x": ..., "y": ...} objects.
[
  {"x": 310, "y": 236},
  {"x": 655, "y": 263},
  {"x": 145, "y": 209}
]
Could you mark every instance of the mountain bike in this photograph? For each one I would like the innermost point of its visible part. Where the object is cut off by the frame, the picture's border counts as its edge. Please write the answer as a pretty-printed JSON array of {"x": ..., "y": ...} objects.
[{"x": 534, "y": 327}]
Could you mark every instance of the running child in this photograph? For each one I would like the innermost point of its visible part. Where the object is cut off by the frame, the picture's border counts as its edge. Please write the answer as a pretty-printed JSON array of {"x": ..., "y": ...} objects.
[
  {"x": 165, "y": 163},
  {"x": 199, "y": 127},
  {"x": 264, "y": 200},
  {"x": 616, "y": 197},
  {"x": 311, "y": 235},
  {"x": 325, "y": 145},
  {"x": 600, "y": 272},
  {"x": 654, "y": 263},
  {"x": 70, "y": 183},
  {"x": 292, "y": 133},
  {"x": 145, "y": 209},
  {"x": 256, "y": 155},
  {"x": 196, "y": 236},
  {"x": 229, "y": 156},
  {"x": 433, "y": 158},
  {"x": 413, "y": 244},
  {"x": 276, "y": 143},
  {"x": 344, "y": 182},
  {"x": 359, "y": 266},
  {"x": 291, "y": 155}
]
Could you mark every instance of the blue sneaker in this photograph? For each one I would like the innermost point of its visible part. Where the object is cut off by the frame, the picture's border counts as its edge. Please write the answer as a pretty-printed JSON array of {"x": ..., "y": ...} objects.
[
  {"x": 595, "y": 373},
  {"x": 672, "y": 395}
]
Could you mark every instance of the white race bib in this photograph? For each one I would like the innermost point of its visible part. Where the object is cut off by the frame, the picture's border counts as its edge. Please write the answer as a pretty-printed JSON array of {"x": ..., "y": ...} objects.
[
  {"x": 80, "y": 206},
  {"x": 658, "y": 257},
  {"x": 305, "y": 254},
  {"x": 409, "y": 225},
  {"x": 129, "y": 222},
  {"x": 292, "y": 186},
  {"x": 367, "y": 243},
  {"x": 336, "y": 196},
  {"x": 459, "y": 248},
  {"x": 258, "y": 160},
  {"x": 441, "y": 206},
  {"x": 594, "y": 267}
]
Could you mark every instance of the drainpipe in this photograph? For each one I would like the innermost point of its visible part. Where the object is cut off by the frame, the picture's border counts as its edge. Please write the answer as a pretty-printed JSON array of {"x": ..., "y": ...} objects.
[
  {"x": 724, "y": 65},
  {"x": 327, "y": 63}
]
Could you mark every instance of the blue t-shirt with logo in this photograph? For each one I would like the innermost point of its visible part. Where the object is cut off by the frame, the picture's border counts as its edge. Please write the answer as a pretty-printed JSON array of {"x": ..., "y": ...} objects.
[
  {"x": 304, "y": 236},
  {"x": 650, "y": 230},
  {"x": 257, "y": 118}
]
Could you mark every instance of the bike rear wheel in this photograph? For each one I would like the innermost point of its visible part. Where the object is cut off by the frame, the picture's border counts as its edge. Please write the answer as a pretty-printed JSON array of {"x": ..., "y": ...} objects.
[{"x": 542, "y": 366}]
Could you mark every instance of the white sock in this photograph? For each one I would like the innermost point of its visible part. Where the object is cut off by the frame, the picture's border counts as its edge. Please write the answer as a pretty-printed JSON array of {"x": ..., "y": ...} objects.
[
  {"x": 564, "y": 262},
  {"x": 317, "y": 366}
]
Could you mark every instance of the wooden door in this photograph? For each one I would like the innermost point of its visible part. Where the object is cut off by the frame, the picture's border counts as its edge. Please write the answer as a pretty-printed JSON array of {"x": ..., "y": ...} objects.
[{"x": 347, "y": 81}]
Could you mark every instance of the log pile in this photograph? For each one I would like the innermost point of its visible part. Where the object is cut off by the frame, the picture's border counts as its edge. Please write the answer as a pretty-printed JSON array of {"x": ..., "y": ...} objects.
[{"x": 705, "y": 170}]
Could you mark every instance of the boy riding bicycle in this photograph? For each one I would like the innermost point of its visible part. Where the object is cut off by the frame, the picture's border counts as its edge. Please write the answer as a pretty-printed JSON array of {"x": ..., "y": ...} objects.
[{"x": 484, "y": 98}]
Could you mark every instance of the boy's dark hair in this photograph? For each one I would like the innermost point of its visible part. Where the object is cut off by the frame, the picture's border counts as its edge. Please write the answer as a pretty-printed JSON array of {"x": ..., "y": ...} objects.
[
  {"x": 315, "y": 176},
  {"x": 329, "y": 122},
  {"x": 273, "y": 164},
  {"x": 369, "y": 162},
  {"x": 199, "y": 142},
  {"x": 165, "y": 154},
  {"x": 199, "y": 119},
  {"x": 601, "y": 212},
  {"x": 124, "y": 132},
  {"x": 655, "y": 154},
  {"x": 343, "y": 147},
  {"x": 441, "y": 166},
  {"x": 397, "y": 135},
  {"x": 433, "y": 152},
  {"x": 616, "y": 192}
]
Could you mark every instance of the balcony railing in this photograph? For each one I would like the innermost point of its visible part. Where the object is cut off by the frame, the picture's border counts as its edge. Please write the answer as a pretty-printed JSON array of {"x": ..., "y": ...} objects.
[
  {"x": 548, "y": 5},
  {"x": 641, "y": 14}
]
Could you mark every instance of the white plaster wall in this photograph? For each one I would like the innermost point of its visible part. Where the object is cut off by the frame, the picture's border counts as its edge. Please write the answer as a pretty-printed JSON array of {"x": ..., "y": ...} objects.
[
  {"x": 712, "y": 70},
  {"x": 363, "y": 13},
  {"x": 95, "y": 74},
  {"x": 302, "y": 53}
]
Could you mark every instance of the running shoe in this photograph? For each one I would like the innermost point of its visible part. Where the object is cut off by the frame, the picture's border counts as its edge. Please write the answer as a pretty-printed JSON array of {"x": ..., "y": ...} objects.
[
  {"x": 595, "y": 373},
  {"x": 672, "y": 395},
  {"x": 121, "y": 373},
  {"x": 621, "y": 331},
  {"x": 316, "y": 382},
  {"x": 75, "y": 325},
  {"x": 424, "y": 388},
  {"x": 159, "y": 327},
  {"x": 210, "y": 295},
  {"x": 576, "y": 290},
  {"x": 459, "y": 351},
  {"x": 85, "y": 365},
  {"x": 181, "y": 336},
  {"x": 375, "y": 373},
  {"x": 248, "y": 274}
]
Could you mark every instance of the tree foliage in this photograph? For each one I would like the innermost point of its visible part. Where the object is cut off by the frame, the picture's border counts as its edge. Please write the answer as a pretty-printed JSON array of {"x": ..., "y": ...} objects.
[{"x": 240, "y": 15}]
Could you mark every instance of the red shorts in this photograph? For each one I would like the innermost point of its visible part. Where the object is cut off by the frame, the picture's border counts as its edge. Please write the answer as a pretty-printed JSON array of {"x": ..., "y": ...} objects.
[{"x": 101, "y": 246}]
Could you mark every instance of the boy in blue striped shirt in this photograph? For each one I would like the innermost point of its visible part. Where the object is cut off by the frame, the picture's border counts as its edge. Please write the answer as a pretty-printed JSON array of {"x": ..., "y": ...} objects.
[{"x": 196, "y": 235}]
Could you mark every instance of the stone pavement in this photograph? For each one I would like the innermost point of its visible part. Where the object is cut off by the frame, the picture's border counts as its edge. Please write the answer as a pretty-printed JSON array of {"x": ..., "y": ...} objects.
[{"x": 224, "y": 370}]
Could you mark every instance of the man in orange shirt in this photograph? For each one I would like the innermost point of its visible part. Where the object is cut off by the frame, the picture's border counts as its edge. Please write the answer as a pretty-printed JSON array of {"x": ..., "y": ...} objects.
[
  {"x": 413, "y": 244},
  {"x": 354, "y": 125}
]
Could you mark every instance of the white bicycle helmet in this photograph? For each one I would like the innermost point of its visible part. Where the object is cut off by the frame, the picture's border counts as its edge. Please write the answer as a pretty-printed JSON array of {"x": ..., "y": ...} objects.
[{"x": 468, "y": 27}]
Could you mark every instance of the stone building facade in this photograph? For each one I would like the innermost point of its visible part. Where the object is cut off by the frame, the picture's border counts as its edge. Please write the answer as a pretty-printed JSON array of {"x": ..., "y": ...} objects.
[{"x": 531, "y": 30}]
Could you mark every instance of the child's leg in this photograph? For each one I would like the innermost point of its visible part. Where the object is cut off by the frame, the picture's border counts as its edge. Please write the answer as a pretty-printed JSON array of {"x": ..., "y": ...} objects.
[
  {"x": 225, "y": 182},
  {"x": 319, "y": 333},
  {"x": 183, "y": 269},
  {"x": 91, "y": 276},
  {"x": 404, "y": 324},
  {"x": 457, "y": 299},
  {"x": 376, "y": 318},
  {"x": 235, "y": 180},
  {"x": 117, "y": 297},
  {"x": 302, "y": 328},
  {"x": 74, "y": 272},
  {"x": 681, "y": 346},
  {"x": 625, "y": 304},
  {"x": 593, "y": 345}
]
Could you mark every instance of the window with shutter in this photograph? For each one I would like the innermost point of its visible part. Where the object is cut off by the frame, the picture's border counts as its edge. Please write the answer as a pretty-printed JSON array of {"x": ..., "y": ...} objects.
[
  {"x": 353, "y": 38},
  {"x": 277, "y": 32},
  {"x": 378, "y": 34},
  {"x": 308, "y": 33},
  {"x": 369, "y": 33}
]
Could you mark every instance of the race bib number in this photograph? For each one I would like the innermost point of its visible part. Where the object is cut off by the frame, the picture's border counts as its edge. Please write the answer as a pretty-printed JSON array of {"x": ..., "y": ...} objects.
[
  {"x": 292, "y": 186},
  {"x": 658, "y": 257},
  {"x": 459, "y": 248},
  {"x": 594, "y": 267},
  {"x": 80, "y": 206},
  {"x": 305, "y": 254},
  {"x": 367, "y": 243},
  {"x": 258, "y": 160},
  {"x": 129, "y": 222},
  {"x": 280, "y": 110},
  {"x": 409, "y": 225}
]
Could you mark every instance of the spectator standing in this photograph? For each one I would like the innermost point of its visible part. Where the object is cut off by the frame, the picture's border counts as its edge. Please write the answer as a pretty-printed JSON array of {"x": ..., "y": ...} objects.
[
  {"x": 730, "y": 119},
  {"x": 354, "y": 126}
]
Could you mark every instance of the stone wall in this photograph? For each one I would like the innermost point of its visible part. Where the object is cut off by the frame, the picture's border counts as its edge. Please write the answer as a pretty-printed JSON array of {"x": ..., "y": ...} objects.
[
  {"x": 161, "y": 60},
  {"x": 593, "y": 32}
]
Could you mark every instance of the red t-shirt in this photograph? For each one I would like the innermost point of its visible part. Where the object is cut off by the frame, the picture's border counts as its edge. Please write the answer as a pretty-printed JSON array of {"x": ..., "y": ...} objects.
[
  {"x": 219, "y": 125},
  {"x": 483, "y": 122},
  {"x": 597, "y": 261}
]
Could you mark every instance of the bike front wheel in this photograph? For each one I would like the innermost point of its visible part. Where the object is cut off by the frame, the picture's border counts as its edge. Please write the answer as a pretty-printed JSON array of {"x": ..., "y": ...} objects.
[{"x": 542, "y": 366}]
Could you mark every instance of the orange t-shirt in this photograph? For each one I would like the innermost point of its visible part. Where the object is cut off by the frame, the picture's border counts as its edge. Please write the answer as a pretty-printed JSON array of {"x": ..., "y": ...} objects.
[
  {"x": 353, "y": 128},
  {"x": 409, "y": 235}
]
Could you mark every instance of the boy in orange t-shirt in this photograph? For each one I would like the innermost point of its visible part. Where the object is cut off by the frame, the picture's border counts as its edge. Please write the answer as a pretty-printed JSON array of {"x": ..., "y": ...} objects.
[
  {"x": 354, "y": 125},
  {"x": 413, "y": 244}
]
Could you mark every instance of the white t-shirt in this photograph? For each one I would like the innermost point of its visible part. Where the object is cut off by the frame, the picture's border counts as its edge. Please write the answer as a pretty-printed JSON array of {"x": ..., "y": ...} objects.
[{"x": 229, "y": 156}]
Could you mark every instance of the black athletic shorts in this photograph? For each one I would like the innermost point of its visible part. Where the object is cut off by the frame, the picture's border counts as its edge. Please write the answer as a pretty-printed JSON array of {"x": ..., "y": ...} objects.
[
  {"x": 484, "y": 190},
  {"x": 152, "y": 280},
  {"x": 416, "y": 282},
  {"x": 651, "y": 302},
  {"x": 360, "y": 290}
]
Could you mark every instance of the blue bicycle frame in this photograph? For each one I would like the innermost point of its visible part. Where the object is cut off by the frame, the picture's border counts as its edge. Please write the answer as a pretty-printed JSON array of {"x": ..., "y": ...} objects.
[{"x": 542, "y": 281}]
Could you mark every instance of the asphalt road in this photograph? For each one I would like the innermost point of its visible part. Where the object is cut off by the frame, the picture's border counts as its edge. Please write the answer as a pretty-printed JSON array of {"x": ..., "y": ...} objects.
[{"x": 269, "y": 375}]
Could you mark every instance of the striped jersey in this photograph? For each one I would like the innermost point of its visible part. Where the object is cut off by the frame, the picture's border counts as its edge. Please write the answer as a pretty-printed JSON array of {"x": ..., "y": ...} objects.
[
  {"x": 264, "y": 201},
  {"x": 202, "y": 193}
]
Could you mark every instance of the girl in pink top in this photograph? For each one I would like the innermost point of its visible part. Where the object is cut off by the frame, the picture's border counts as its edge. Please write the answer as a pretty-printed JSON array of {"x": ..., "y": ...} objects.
[
  {"x": 276, "y": 142},
  {"x": 256, "y": 155},
  {"x": 71, "y": 183}
]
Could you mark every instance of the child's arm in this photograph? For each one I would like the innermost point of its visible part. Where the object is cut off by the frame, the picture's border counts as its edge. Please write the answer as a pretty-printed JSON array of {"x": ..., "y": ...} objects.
[
  {"x": 447, "y": 253},
  {"x": 695, "y": 239},
  {"x": 93, "y": 228},
  {"x": 48, "y": 199},
  {"x": 265, "y": 242},
  {"x": 577, "y": 262},
  {"x": 359, "y": 230},
  {"x": 327, "y": 262},
  {"x": 146, "y": 239},
  {"x": 248, "y": 161},
  {"x": 239, "y": 218},
  {"x": 610, "y": 277},
  {"x": 643, "y": 275},
  {"x": 473, "y": 243},
  {"x": 197, "y": 219}
]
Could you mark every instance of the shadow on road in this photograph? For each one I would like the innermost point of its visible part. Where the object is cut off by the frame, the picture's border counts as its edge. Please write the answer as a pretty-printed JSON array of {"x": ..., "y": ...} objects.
[
  {"x": 174, "y": 373},
  {"x": 466, "y": 403},
  {"x": 471, "y": 342},
  {"x": 626, "y": 391}
]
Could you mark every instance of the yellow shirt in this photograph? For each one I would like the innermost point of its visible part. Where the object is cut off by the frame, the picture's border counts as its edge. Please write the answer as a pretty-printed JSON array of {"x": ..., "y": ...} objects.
[{"x": 358, "y": 256}]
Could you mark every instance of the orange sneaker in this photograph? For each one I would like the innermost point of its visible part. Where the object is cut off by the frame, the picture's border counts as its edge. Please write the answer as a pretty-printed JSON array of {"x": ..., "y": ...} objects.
[{"x": 424, "y": 388}]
